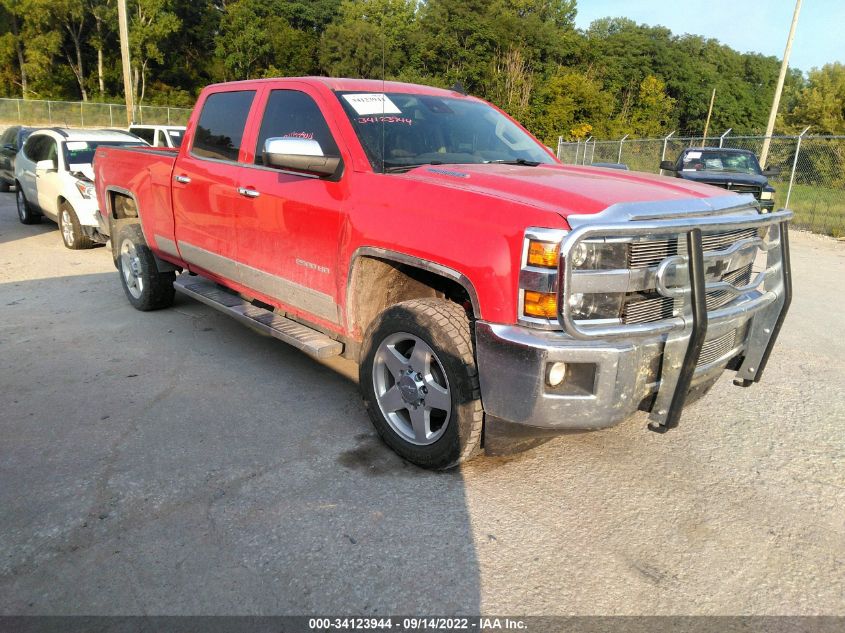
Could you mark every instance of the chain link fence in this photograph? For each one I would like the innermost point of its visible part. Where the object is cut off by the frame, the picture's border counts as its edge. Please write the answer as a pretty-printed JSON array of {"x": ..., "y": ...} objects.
[
  {"x": 84, "y": 113},
  {"x": 811, "y": 179}
]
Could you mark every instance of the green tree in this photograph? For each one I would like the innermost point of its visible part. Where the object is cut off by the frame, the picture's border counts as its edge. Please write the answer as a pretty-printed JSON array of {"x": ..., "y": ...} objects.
[
  {"x": 821, "y": 104},
  {"x": 151, "y": 24},
  {"x": 368, "y": 37}
]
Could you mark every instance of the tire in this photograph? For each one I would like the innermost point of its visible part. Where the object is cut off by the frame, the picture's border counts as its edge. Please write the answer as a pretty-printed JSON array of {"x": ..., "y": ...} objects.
[
  {"x": 25, "y": 213},
  {"x": 146, "y": 288},
  {"x": 4, "y": 186},
  {"x": 73, "y": 236},
  {"x": 441, "y": 394}
]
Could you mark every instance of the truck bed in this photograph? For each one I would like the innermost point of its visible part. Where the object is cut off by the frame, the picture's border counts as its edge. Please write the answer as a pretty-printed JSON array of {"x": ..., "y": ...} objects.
[{"x": 146, "y": 173}]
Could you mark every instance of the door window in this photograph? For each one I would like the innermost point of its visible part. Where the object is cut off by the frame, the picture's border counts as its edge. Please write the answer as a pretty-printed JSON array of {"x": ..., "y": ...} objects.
[
  {"x": 144, "y": 133},
  {"x": 221, "y": 125},
  {"x": 52, "y": 151},
  {"x": 293, "y": 114},
  {"x": 36, "y": 147}
]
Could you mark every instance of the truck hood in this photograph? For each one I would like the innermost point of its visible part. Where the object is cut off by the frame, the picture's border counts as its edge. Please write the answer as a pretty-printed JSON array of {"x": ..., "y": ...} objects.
[
  {"x": 723, "y": 178},
  {"x": 564, "y": 190}
]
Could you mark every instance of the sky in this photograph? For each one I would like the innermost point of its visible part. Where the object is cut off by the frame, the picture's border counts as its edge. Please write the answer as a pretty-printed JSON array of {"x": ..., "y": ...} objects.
[{"x": 746, "y": 25}]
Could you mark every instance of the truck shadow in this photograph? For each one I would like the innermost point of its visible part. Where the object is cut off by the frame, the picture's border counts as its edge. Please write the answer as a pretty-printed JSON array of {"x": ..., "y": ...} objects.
[{"x": 176, "y": 462}]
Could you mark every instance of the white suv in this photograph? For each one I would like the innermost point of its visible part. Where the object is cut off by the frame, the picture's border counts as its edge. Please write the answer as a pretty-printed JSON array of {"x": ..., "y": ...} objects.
[
  {"x": 159, "y": 135},
  {"x": 54, "y": 177}
]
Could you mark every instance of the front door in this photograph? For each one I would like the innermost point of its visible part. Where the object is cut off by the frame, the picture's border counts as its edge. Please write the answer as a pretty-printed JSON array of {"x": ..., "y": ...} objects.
[
  {"x": 47, "y": 182},
  {"x": 289, "y": 223}
]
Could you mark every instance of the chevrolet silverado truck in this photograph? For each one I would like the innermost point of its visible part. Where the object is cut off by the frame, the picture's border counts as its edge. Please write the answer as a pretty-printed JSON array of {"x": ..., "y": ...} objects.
[{"x": 490, "y": 295}]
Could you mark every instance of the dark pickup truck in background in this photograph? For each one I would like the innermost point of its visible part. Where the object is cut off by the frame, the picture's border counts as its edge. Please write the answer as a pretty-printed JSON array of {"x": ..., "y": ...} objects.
[{"x": 734, "y": 169}]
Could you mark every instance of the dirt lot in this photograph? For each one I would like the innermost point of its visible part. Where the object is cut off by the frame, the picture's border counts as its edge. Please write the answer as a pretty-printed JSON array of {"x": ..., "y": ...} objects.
[{"x": 178, "y": 463}]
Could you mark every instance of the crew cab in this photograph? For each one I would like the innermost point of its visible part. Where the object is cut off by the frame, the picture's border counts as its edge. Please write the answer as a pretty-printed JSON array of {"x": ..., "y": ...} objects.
[
  {"x": 733, "y": 169},
  {"x": 491, "y": 296}
]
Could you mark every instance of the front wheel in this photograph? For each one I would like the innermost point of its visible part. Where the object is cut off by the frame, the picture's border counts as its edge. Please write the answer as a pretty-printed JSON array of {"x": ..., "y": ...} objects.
[
  {"x": 25, "y": 213},
  {"x": 420, "y": 382},
  {"x": 73, "y": 236},
  {"x": 145, "y": 287}
]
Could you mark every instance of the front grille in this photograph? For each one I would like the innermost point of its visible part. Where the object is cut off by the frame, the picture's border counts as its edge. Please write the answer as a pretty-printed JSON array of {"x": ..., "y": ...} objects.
[
  {"x": 643, "y": 308},
  {"x": 717, "y": 347},
  {"x": 649, "y": 307},
  {"x": 739, "y": 277},
  {"x": 644, "y": 254},
  {"x": 739, "y": 187}
]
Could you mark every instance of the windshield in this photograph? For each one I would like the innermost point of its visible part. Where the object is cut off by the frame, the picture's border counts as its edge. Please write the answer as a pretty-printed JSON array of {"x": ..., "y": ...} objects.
[
  {"x": 82, "y": 152},
  {"x": 714, "y": 160},
  {"x": 425, "y": 130}
]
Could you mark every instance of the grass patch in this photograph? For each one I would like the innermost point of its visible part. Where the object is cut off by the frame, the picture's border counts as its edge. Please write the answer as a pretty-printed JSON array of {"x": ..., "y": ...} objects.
[{"x": 818, "y": 209}]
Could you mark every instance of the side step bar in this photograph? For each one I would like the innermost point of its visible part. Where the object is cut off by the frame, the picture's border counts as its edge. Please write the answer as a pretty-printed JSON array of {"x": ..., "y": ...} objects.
[{"x": 300, "y": 336}]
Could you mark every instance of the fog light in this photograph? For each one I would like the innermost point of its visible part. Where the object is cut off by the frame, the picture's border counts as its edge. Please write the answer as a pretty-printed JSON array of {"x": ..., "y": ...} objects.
[{"x": 557, "y": 373}]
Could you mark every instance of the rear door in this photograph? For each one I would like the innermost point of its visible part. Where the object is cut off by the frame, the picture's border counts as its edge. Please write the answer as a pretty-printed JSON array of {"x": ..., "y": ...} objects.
[
  {"x": 289, "y": 223},
  {"x": 205, "y": 184},
  {"x": 34, "y": 148}
]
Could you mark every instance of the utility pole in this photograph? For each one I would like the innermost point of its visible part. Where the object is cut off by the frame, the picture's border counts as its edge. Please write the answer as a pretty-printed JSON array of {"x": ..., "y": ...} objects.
[
  {"x": 784, "y": 66},
  {"x": 709, "y": 114},
  {"x": 124, "y": 58}
]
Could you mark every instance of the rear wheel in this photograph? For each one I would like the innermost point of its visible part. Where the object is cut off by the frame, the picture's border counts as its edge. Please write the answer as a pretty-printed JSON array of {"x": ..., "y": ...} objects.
[
  {"x": 72, "y": 234},
  {"x": 4, "y": 186},
  {"x": 145, "y": 287},
  {"x": 25, "y": 213},
  {"x": 420, "y": 382}
]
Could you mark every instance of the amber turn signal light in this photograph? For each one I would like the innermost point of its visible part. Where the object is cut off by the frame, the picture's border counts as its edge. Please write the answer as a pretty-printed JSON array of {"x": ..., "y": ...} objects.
[
  {"x": 540, "y": 304},
  {"x": 543, "y": 254}
]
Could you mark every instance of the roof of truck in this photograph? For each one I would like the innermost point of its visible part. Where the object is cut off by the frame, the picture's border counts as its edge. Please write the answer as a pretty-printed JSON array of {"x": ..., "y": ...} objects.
[{"x": 355, "y": 85}]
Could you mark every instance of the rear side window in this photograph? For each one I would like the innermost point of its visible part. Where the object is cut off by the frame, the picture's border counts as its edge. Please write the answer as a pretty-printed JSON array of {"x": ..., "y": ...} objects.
[
  {"x": 144, "y": 133},
  {"x": 36, "y": 147},
  {"x": 293, "y": 114},
  {"x": 221, "y": 125}
]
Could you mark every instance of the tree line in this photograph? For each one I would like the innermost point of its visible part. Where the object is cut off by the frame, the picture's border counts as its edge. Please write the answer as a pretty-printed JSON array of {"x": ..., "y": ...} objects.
[{"x": 616, "y": 77}]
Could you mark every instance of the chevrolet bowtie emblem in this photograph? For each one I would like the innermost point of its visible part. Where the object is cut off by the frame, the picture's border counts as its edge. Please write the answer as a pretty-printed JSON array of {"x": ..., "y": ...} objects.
[{"x": 716, "y": 269}]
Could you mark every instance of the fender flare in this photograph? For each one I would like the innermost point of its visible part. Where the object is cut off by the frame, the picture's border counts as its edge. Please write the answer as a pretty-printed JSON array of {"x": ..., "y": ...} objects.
[{"x": 416, "y": 262}]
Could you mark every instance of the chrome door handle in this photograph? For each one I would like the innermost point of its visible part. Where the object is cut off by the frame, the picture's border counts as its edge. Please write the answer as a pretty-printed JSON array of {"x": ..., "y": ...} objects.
[
  {"x": 249, "y": 193},
  {"x": 183, "y": 179}
]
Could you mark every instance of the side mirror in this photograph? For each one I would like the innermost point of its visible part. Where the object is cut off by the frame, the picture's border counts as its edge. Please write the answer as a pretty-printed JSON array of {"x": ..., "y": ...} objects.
[
  {"x": 667, "y": 165},
  {"x": 771, "y": 172},
  {"x": 45, "y": 165},
  {"x": 299, "y": 154}
]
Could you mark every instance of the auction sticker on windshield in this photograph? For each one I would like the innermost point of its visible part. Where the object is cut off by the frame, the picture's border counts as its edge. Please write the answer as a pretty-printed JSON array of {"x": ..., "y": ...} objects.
[{"x": 372, "y": 103}]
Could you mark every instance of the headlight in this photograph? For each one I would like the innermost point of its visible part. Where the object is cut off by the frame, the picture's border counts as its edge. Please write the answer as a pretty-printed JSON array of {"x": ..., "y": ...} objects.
[
  {"x": 767, "y": 195},
  {"x": 583, "y": 306},
  {"x": 596, "y": 305},
  {"x": 86, "y": 189},
  {"x": 599, "y": 255}
]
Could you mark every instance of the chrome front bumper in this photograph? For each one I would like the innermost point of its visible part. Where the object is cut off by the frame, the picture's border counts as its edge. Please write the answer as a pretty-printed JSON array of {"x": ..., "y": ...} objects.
[{"x": 614, "y": 371}]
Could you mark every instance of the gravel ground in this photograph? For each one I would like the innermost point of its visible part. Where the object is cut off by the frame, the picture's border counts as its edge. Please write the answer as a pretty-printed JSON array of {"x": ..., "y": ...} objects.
[{"x": 178, "y": 463}]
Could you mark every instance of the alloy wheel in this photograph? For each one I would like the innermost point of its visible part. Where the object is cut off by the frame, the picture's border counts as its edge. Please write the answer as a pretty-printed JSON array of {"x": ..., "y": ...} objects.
[
  {"x": 130, "y": 267},
  {"x": 411, "y": 388}
]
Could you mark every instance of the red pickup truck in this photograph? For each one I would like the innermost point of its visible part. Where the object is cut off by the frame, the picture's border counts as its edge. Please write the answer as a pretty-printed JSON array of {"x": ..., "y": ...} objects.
[{"x": 490, "y": 295}]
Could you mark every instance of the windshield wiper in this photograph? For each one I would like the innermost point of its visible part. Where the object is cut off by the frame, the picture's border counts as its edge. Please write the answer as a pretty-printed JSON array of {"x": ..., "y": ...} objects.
[
  {"x": 395, "y": 169},
  {"x": 515, "y": 161}
]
